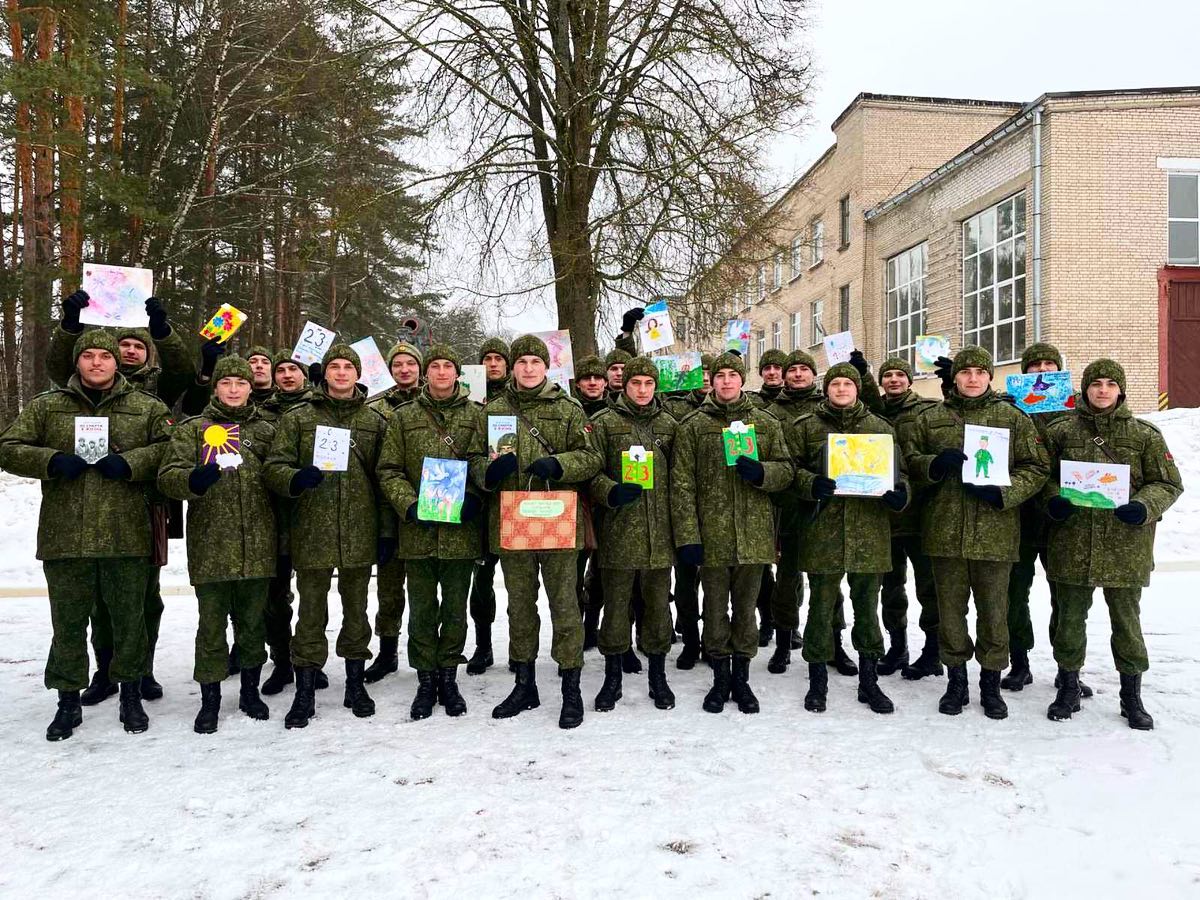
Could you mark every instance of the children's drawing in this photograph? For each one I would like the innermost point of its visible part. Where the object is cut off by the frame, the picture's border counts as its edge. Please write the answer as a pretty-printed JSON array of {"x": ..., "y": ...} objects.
[
  {"x": 838, "y": 347},
  {"x": 739, "y": 439},
  {"x": 313, "y": 343},
  {"x": 224, "y": 323},
  {"x": 116, "y": 295},
  {"x": 863, "y": 465},
  {"x": 987, "y": 455},
  {"x": 562, "y": 360},
  {"x": 331, "y": 448},
  {"x": 443, "y": 488},
  {"x": 1094, "y": 485},
  {"x": 637, "y": 466},
  {"x": 376, "y": 374},
  {"x": 222, "y": 444},
  {"x": 928, "y": 348},
  {"x": 737, "y": 336},
  {"x": 655, "y": 328},
  {"x": 1040, "y": 392},
  {"x": 680, "y": 372}
]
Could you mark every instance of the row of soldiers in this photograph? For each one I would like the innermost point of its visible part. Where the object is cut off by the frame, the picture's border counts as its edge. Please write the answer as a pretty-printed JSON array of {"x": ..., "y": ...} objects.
[{"x": 720, "y": 522}]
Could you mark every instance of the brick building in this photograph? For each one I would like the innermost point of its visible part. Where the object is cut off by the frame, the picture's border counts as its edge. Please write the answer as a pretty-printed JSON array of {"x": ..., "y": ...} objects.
[{"x": 924, "y": 218}]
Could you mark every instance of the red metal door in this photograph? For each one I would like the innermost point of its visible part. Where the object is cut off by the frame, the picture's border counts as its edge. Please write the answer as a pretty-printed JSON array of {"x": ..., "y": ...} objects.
[{"x": 1183, "y": 343}]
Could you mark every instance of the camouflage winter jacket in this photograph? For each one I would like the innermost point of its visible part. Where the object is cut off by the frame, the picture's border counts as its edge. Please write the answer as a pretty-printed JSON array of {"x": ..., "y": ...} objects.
[
  {"x": 637, "y": 535},
  {"x": 91, "y": 516},
  {"x": 710, "y": 503},
  {"x": 231, "y": 527},
  {"x": 955, "y": 523},
  {"x": 336, "y": 524},
  {"x": 392, "y": 398},
  {"x": 680, "y": 406},
  {"x": 281, "y": 401},
  {"x": 901, "y": 413},
  {"x": 841, "y": 534},
  {"x": 765, "y": 396},
  {"x": 1093, "y": 546},
  {"x": 418, "y": 430},
  {"x": 787, "y": 407},
  {"x": 562, "y": 425},
  {"x": 167, "y": 381}
]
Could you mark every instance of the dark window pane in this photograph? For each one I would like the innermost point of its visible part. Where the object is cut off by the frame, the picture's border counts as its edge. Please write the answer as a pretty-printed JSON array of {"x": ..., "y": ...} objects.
[
  {"x": 1019, "y": 256},
  {"x": 970, "y": 237},
  {"x": 987, "y": 309},
  {"x": 1005, "y": 296},
  {"x": 1019, "y": 298},
  {"x": 903, "y": 309},
  {"x": 987, "y": 271},
  {"x": 971, "y": 275},
  {"x": 1019, "y": 214},
  {"x": 1004, "y": 261},
  {"x": 986, "y": 339},
  {"x": 969, "y": 308},
  {"x": 1004, "y": 343},
  {"x": 987, "y": 229},
  {"x": 1004, "y": 221},
  {"x": 1181, "y": 197},
  {"x": 1182, "y": 245},
  {"x": 1018, "y": 338}
]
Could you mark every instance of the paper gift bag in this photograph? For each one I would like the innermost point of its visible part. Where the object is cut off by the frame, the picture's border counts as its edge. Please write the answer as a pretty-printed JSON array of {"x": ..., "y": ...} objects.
[{"x": 537, "y": 520}]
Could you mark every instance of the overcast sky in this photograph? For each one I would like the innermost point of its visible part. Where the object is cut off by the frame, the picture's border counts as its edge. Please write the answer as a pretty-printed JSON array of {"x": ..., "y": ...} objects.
[{"x": 1012, "y": 50}]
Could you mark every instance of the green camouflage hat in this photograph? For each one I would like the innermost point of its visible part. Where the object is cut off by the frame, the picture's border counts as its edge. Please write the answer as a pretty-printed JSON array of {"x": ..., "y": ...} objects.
[
  {"x": 285, "y": 356},
  {"x": 493, "y": 345},
  {"x": 590, "y": 365},
  {"x": 975, "y": 357},
  {"x": 258, "y": 350},
  {"x": 616, "y": 357},
  {"x": 529, "y": 345},
  {"x": 729, "y": 360},
  {"x": 897, "y": 364},
  {"x": 641, "y": 365},
  {"x": 137, "y": 334},
  {"x": 1039, "y": 351},
  {"x": 772, "y": 357},
  {"x": 233, "y": 367},
  {"x": 346, "y": 352},
  {"x": 442, "y": 351},
  {"x": 841, "y": 370},
  {"x": 800, "y": 358},
  {"x": 1103, "y": 368},
  {"x": 408, "y": 348},
  {"x": 706, "y": 361},
  {"x": 96, "y": 339}
]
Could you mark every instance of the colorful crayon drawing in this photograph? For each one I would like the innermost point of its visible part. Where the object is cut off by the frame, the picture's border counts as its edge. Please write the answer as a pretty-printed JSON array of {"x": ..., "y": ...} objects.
[
  {"x": 987, "y": 455},
  {"x": 116, "y": 295},
  {"x": 655, "y": 328},
  {"x": 680, "y": 372},
  {"x": 376, "y": 374},
  {"x": 928, "y": 348},
  {"x": 1040, "y": 392},
  {"x": 863, "y": 465},
  {"x": 443, "y": 489},
  {"x": 1094, "y": 485},
  {"x": 562, "y": 360},
  {"x": 737, "y": 336},
  {"x": 739, "y": 439},
  {"x": 224, "y": 323},
  {"x": 637, "y": 466},
  {"x": 838, "y": 347},
  {"x": 222, "y": 444}
]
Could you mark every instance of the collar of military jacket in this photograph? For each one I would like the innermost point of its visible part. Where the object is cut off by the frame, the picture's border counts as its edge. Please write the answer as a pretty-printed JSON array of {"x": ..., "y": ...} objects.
[
  {"x": 459, "y": 397},
  {"x": 738, "y": 406},
  {"x": 288, "y": 399},
  {"x": 547, "y": 390},
  {"x": 845, "y": 416},
  {"x": 795, "y": 396},
  {"x": 219, "y": 411},
  {"x": 121, "y": 385},
  {"x": 626, "y": 406},
  {"x": 139, "y": 372},
  {"x": 262, "y": 395},
  {"x": 342, "y": 404},
  {"x": 958, "y": 401},
  {"x": 771, "y": 393},
  {"x": 893, "y": 405},
  {"x": 397, "y": 395},
  {"x": 1101, "y": 418}
]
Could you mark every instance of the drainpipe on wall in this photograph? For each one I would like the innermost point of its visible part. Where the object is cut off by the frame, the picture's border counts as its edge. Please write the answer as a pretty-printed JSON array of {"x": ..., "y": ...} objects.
[{"x": 1037, "y": 224}]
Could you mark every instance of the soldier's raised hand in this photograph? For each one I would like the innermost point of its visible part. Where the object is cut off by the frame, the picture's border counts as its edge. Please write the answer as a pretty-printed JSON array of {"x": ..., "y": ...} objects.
[
  {"x": 159, "y": 326},
  {"x": 631, "y": 318},
  {"x": 859, "y": 362},
  {"x": 71, "y": 307}
]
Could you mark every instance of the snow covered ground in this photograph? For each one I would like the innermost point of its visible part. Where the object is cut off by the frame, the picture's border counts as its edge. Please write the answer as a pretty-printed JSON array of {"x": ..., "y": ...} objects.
[{"x": 637, "y": 802}]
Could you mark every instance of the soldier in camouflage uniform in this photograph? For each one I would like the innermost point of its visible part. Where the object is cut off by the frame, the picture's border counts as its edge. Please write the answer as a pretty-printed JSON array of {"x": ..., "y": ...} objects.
[
  {"x": 94, "y": 534},
  {"x": 591, "y": 391},
  {"x": 901, "y": 406},
  {"x": 405, "y": 362},
  {"x": 552, "y": 448},
  {"x": 493, "y": 356},
  {"x": 262, "y": 368},
  {"x": 335, "y": 522},
  {"x": 231, "y": 537},
  {"x": 634, "y": 531},
  {"x": 168, "y": 382},
  {"x": 723, "y": 521},
  {"x": 972, "y": 532},
  {"x": 1111, "y": 549},
  {"x": 614, "y": 368},
  {"x": 842, "y": 536},
  {"x": 770, "y": 369},
  {"x": 441, "y": 423}
]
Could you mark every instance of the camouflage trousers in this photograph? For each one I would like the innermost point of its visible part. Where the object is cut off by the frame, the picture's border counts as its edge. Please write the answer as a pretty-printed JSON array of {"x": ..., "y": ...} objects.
[
  {"x": 244, "y": 602},
  {"x": 152, "y": 611},
  {"x": 278, "y": 613},
  {"x": 957, "y": 580},
  {"x": 824, "y": 601},
  {"x": 1124, "y": 612},
  {"x": 687, "y": 603},
  {"x": 788, "y": 595},
  {"x": 1020, "y": 583},
  {"x": 727, "y": 587},
  {"x": 589, "y": 583},
  {"x": 75, "y": 587},
  {"x": 557, "y": 570},
  {"x": 654, "y": 634},
  {"x": 483, "y": 590},
  {"x": 389, "y": 586},
  {"x": 905, "y": 549},
  {"x": 437, "y": 631},
  {"x": 310, "y": 646}
]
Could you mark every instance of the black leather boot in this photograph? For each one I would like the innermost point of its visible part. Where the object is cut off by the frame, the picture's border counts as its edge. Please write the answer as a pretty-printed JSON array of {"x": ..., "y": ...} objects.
[
  {"x": 385, "y": 662},
  {"x": 868, "y": 687},
  {"x": 1066, "y": 701},
  {"x": 356, "y": 698},
  {"x": 448, "y": 693},
  {"x": 841, "y": 661},
  {"x": 1018, "y": 675},
  {"x": 571, "y": 715},
  {"x": 1131, "y": 703},
  {"x": 304, "y": 704},
  {"x": 631, "y": 663},
  {"x": 150, "y": 688},
  {"x": 610, "y": 691},
  {"x": 993, "y": 704},
  {"x": 523, "y": 696},
  {"x": 481, "y": 660},
  {"x": 101, "y": 687},
  {"x": 782, "y": 657},
  {"x": 235, "y": 665},
  {"x": 896, "y": 657},
  {"x": 281, "y": 676},
  {"x": 714, "y": 700},
  {"x": 68, "y": 717},
  {"x": 740, "y": 686},
  {"x": 927, "y": 663},
  {"x": 426, "y": 697},
  {"x": 957, "y": 693},
  {"x": 688, "y": 655},
  {"x": 660, "y": 691},
  {"x": 818, "y": 687},
  {"x": 132, "y": 715},
  {"x": 210, "y": 708},
  {"x": 249, "y": 701}
]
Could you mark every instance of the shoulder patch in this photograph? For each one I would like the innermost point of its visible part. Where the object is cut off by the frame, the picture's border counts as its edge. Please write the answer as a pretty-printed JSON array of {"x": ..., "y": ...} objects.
[
  {"x": 1168, "y": 457},
  {"x": 587, "y": 428}
]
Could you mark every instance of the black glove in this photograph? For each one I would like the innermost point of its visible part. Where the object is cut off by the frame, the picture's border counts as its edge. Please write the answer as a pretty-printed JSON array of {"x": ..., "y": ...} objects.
[
  {"x": 159, "y": 327},
  {"x": 70, "y": 311},
  {"x": 823, "y": 487},
  {"x": 284, "y": 563},
  {"x": 751, "y": 470},
  {"x": 631, "y": 318},
  {"x": 942, "y": 367},
  {"x": 623, "y": 494},
  {"x": 210, "y": 352},
  {"x": 316, "y": 374},
  {"x": 203, "y": 477},
  {"x": 1131, "y": 513},
  {"x": 896, "y": 498},
  {"x": 945, "y": 463},
  {"x": 1059, "y": 509},
  {"x": 114, "y": 468},
  {"x": 859, "y": 362},
  {"x": 988, "y": 493},
  {"x": 410, "y": 515},
  {"x": 385, "y": 549},
  {"x": 547, "y": 468},
  {"x": 499, "y": 469},
  {"x": 67, "y": 466},
  {"x": 471, "y": 507},
  {"x": 304, "y": 480},
  {"x": 691, "y": 554}
]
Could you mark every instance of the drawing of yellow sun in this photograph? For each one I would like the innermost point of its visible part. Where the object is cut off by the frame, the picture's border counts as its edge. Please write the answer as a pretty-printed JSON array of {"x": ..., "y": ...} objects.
[{"x": 220, "y": 439}]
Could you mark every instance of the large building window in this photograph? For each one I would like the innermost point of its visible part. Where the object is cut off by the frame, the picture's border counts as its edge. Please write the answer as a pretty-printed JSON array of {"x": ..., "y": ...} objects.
[
  {"x": 816, "y": 243},
  {"x": 797, "y": 255},
  {"x": 762, "y": 283},
  {"x": 816, "y": 321},
  {"x": 844, "y": 308},
  {"x": 994, "y": 279},
  {"x": 844, "y": 222},
  {"x": 794, "y": 326},
  {"x": 1183, "y": 220},
  {"x": 760, "y": 345},
  {"x": 906, "y": 300},
  {"x": 776, "y": 334},
  {"x": 777, "y": 271}
]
